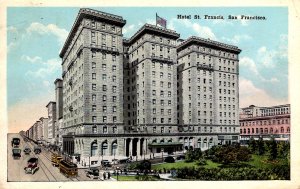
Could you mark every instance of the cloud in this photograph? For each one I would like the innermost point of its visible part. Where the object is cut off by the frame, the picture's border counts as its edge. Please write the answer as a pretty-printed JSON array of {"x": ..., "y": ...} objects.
[
  {"x": 250, "y": 64},
  {"x": 201, "y": 31},
  {"x": 52, "y": 29},
  {"x": 129, "y": 29},
  {"x": 31, "y": 59},
  {"x": 236, "y": 39},
  {"x": 250, "y": 94},
  {"x": 46, "y": 68}
]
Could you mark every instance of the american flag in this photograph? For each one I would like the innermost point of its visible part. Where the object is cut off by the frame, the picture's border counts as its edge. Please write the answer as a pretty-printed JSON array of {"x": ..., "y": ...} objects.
[{"x": 161, "y": 21}]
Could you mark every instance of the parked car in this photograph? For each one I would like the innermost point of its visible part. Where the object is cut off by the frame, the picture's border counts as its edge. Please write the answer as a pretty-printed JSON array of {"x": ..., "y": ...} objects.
[
  {"x": 93, "y": 173},
  {"x": 37, "y": 150},
  {"x": 27, "y": 150},
  {"x": 180, "y": 157},
  {"x": 126, "y": 160},
  {"x": 105, "y": 163},
  {"x": 16, "y": 153},
  {"x": 32, "y": 166},
  {"x": 169, "y": 159},
  {"x": 15, "y": 142}
]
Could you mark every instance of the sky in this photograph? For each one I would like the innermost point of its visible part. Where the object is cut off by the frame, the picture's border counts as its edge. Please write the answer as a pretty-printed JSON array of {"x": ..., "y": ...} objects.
[{"x": 35, "y": 37}]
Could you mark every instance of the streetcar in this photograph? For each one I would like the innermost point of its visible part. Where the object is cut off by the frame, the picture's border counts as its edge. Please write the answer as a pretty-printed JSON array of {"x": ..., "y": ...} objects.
[
  {"x": 55, "y": 159},
  {"x": 68, "y": 169},
  {"x": 32, "y": 166},
  {"x": 15, "y": 142}
]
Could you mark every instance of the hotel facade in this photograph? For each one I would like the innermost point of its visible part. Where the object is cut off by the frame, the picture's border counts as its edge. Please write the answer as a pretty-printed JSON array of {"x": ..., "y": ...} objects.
[{"x": 147, "y": 95}]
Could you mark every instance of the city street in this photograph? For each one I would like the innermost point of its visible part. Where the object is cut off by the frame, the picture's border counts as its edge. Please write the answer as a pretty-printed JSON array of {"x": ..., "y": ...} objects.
[{"x": 46, "y": 172}]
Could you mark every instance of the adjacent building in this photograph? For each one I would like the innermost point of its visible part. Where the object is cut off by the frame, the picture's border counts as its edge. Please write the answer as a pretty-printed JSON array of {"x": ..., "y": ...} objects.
[
  {"x": 265, "y": 122},
  {"x": 144, "y": 96}
]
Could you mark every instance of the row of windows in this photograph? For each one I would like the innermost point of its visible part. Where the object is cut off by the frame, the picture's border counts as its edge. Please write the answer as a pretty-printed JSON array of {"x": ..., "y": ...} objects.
[
  {"x": 104, "y": 88},
  {"x": 269, "y": 122},
  {"x": 104, "y": 119},
  {"x": 114, "y": 67},
  {"x": 104, "y": 98},
  {"x": 104, "y": 77},
  {"x": 104, "y": 108},
  {"x": 264, "y": 130}
]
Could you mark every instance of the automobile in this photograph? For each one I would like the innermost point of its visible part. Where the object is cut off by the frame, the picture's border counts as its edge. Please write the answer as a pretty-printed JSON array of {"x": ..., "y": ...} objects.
[
  {"x": 180, "y": 157},
  {"x": 105, "y": 163},
  {"x": 15, "y": 142},
  {"x": 93, "y": 173},
  {"x": 37, "y": 150},
  {"x": 169, "y": 159},
  {"x": 126, "y": 160},
  {"x": 16, "y": 153},
  {"x": 32, "y": 166},
  {"x": 27, "y": 150}
]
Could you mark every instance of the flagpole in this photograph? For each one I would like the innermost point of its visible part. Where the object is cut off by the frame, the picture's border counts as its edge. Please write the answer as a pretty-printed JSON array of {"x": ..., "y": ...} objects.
[{"x": 156, "y": 18}]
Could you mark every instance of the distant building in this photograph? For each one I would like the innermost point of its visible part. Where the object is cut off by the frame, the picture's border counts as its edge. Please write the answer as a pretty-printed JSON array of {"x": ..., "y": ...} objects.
[
  {"x": 51, "y": 106},
  {"x": 44, "y": 126},
  {"x": 59, "y": 111},
  {"x": 265, "y": 122}
]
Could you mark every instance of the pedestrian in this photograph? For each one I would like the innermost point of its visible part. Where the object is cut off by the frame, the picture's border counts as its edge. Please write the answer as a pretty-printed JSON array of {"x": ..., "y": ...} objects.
[
  {"x": 104, "y": 176},
  {"x": 108, "y": 175}
]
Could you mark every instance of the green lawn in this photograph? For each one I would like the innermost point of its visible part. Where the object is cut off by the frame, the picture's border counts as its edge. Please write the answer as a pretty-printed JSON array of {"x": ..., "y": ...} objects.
[
  {"x": 262, "y": 162},
  {"x": 178, "y": 164},
  {"x": 210, "y": 164}
]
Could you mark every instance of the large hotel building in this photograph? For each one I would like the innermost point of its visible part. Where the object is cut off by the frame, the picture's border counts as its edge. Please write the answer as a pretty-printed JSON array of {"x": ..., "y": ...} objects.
[{"x": 146, "y": 95}]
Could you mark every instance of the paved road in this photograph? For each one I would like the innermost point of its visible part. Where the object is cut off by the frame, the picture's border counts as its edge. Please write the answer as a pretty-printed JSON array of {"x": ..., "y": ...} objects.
[{"x": 46, "y": 172}]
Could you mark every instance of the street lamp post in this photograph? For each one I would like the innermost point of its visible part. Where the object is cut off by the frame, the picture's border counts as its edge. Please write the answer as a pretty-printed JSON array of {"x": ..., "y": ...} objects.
[
  {"x": 162, "y": 155},
  {"x": 117, "y": 169}
]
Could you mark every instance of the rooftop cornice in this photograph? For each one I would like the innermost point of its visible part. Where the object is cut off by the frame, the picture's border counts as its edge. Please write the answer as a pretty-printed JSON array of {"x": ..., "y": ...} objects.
[
  {"x": 90, "y": 13},
  {"x": 207, "y": 42},
  {"x": 152, "y": 29}
]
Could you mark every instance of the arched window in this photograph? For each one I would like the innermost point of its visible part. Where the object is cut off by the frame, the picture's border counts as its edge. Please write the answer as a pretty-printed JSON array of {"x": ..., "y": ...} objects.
[
  {"x": 199, "y": 143},
  {"x": 94, "y": 149},
  {"x": 282, "y": 130},
  {"x": 104, "y": 148},
  {"x": 271, "y": 130},
  {"x": 288, "y": 129},
  {"x": 114, "y": 148},
  {"x": 266, "y": 130}
]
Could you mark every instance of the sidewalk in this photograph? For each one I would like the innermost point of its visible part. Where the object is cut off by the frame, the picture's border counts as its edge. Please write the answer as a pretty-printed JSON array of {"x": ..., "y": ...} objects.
[{"x": 166, "y": 176}]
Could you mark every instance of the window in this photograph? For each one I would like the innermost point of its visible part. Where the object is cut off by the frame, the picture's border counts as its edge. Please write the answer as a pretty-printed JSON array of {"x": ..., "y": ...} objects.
[
  {"x": 114, "y": 119},
  {"x": 114, "y": 67},
  {"x": 114, "y": 109},
  {"x": 114, "y": 78},
  {"x": 154, "y": 120},
  {"x": 103, "y": 56},
  {"x": 104, "y": 98},
  {"x": 153, "y": 101},
  {"x": 94, "y": 129},
  {"x": 103, "y": 67},
  {"x": 154, "y": 110},
  {"x": 93, "y": 75},
  {"x": 93, "y": 87},
  {"x": 104, "y": 120},
  {"x": 114, "y": 98},
  {"x": 104, "y": 108},
  {"x": 93, "y": 97},
  {"x": 93, "y": 65},
  {"x": 93, "y": 108},
  {"x": 94, "y": 119},
  {"x": 104, "y": 87},
  {"x": 113, "y": 57},
  {"x": 162, "y": 129},
  {"x": 114, "y": 89}
]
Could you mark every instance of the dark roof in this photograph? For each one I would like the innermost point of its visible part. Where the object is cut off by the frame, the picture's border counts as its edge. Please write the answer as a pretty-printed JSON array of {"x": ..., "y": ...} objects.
[
  {"x": 152, "y": 29},
  {"x": 91, "y": 13},
  {"x": 208, "y": 43}
]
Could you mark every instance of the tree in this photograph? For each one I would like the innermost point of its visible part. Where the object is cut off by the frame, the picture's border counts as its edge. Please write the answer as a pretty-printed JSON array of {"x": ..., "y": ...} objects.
[
  {"x": 252, "y": 145},
  {"x": 261, "y": 146},
  {"x": 272, "y": 151}
]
